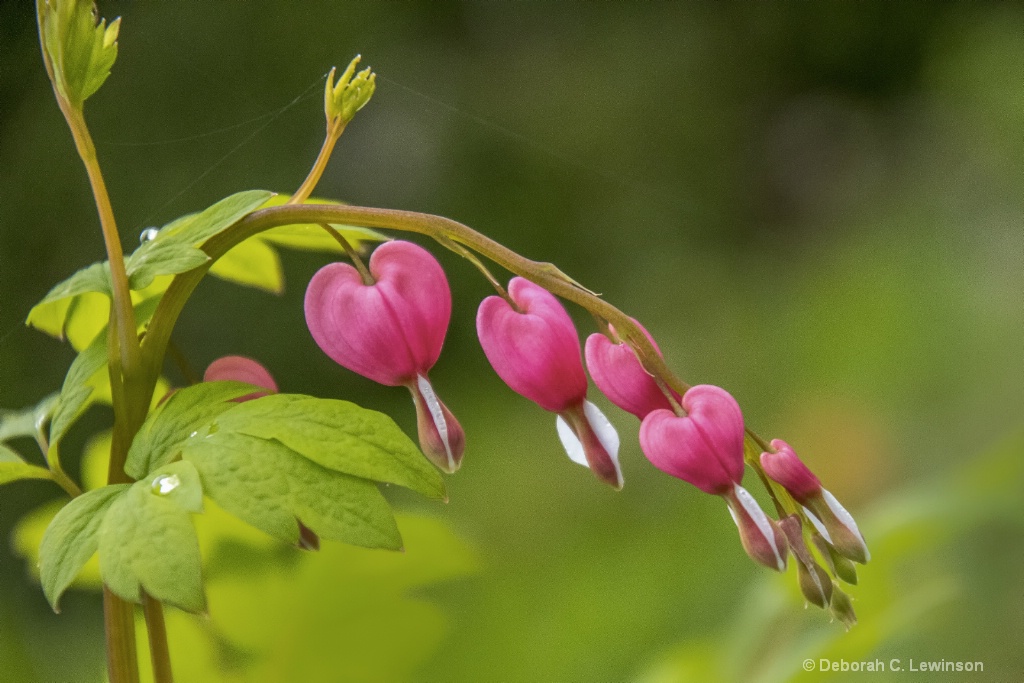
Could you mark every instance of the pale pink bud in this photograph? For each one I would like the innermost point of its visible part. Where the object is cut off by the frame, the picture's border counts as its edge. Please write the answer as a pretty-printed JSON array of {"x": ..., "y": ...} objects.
[
  {"x": 760, "y": 535},
  {"x": 617, "y": 372},
  {"x": 829, "y": 517},
  {"x": 705, "y": 447},
  {"x": 392, "y": 332},
  {"x": 241, "y": 369},
  {"x": 534, "y": 348},
  {"x": 787, "y": 469}
]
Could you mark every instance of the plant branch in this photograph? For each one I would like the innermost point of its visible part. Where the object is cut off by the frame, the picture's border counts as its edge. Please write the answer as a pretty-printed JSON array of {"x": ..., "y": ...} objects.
[
  {"x": 119, "y": 626},
  {"x": 444, "y": 230}
]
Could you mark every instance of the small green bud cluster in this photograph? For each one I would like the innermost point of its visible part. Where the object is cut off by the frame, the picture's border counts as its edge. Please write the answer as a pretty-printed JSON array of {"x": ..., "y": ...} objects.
[{"x": 350, "y": 94}]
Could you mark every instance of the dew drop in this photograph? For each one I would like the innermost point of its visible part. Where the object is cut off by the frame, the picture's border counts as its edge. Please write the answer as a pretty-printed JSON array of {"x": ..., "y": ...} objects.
[
  {"x": 165, "y": 483},
  {"x": 192, "y": 435},
  {"x": 147, "y": 235}
]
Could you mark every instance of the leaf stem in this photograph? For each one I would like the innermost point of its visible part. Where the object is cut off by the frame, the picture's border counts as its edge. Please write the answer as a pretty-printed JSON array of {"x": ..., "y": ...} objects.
[{"x": 159, "y": 653}]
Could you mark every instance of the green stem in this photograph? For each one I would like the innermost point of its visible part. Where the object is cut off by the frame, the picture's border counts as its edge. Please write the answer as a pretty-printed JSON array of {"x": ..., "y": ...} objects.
[
  {"x": 334, "y": 130},
  {"x": 159, "y": 654},
  {"x": 119, "y": 626},
  {"x": 353, "y": 255}
]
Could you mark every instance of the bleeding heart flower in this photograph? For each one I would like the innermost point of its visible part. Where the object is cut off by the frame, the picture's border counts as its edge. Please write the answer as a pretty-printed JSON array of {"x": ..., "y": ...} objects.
[
  {"x": 829, "y": 517},
  {"x": 705, "y": 448},
  {"x": 533, "y": 346},
  {"x": 391, "y": 331},
  {"x": 617, "y": 372},
  {"x": 241, "y": 369}
]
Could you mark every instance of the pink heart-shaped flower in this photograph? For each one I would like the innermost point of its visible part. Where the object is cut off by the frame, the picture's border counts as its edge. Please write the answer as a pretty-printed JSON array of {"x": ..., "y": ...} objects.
[{"x": 705, "y": 447}]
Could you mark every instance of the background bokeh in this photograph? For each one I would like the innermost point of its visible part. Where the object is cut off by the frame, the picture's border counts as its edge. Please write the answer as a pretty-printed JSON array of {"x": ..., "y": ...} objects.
[{"x": 815, "y": 205}]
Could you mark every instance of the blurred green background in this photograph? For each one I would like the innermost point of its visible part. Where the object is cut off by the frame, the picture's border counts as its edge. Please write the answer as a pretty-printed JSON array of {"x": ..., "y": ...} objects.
[{"x": 815, "y": 205}]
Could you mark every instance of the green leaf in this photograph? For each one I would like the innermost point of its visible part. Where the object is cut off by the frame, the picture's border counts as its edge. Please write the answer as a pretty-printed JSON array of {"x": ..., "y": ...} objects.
[
  {"x": 26, "y": 422},
  {"x": 170, "y": 425},
  {"x": 252, "y": 263},
  {"x": 94, "y": 278},
  {"x": 15, "y": 470},
  {"x": 76, "y": 390},
  {"x": 72, "y": 538},
  {"x": 340, "y": 436},
  {"x": 197, "y": 228},
  {"x": 79, "y": 50},
  {"x": 147, "y": 541},
  {"x": 167, "y": 256},
  {"x": 273, "y": 488}
]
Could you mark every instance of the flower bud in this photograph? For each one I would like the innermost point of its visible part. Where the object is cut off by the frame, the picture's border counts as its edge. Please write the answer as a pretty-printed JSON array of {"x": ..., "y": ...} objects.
[
  {"x": 391, "y": 332},
  {"x": 815, "y": 583},
  {"x": 842, "y": 608},
  {"x": 841, "y": 567},
  {"x": 705, "y": 447},
  {"x": 617, "y": 372},
  {"x": 761, "y": 537},
  {"x": 829, "y": 517},
  {"x": 241, "y": 369},
  {"x": 787, "y": 469},
  {"x": 532, "y": 344}
]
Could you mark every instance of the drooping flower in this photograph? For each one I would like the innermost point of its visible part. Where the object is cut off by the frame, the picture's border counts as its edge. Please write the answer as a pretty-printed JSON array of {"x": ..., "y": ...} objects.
[
  {"x": 829, "y": 517},
  {"x": 705, "y": 448},
  {"x": 617, "y": 372},
  {"x": 533, "y": 346},
  {"x": 391, "y": 331},
  {"x": 241, "y": 369}
]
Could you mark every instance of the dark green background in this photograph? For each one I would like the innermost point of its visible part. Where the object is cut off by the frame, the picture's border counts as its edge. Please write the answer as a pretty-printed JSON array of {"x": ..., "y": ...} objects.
[{"x": 815, "y": 205}]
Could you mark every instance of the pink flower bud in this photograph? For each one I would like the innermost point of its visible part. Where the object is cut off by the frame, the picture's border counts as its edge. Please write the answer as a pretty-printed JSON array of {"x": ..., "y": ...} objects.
[
  {"x": 705, "y": 447},
  {"x": 787, "y": 469},
  {"x": 392, "y": 332},
  {"x": 241, "y": 369},
  {"x": 534, "y": 348},
  {"x": 830, "y": 518},
  {"x": 760, "y": 535},
  {"x": 617, "y": 372}
]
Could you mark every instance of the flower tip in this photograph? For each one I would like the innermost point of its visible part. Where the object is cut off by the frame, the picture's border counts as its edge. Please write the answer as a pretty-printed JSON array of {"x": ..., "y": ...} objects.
[
  {"x": 592, "y": 441},
  {"x": 441, "y": 437},
  {"x": 760, "y": 535}
]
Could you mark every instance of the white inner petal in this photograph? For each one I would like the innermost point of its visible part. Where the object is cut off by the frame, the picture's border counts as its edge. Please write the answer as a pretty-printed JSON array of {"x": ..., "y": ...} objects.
[
  {"x": 572, "y": 445},
  {"x": 845, "y": 518},
  {"x": 437, "y": 415},
  {"x": 761, "y": 520},
  {"x": 818, "y": 525},
  {"x": 606, "y": 434}
]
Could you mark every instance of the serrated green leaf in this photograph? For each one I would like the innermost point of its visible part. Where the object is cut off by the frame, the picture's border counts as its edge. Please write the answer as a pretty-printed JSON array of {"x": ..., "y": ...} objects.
[
  {"x": 26, "y": 422},
  {"x": 15, "y": 470},
  {"x": 76, "y": 390},
  {"x": 197, "y": 228},
  {"x": 252, "y": 263},
  {"x": 340, "y": 436},
  {"x": 162, "y": 256},
  {"x": 72, "y": 538},
  {"x": 79, "y": 50},
  {"x": 273, "y": 488},
  {"x": 94, "y": 278},
  {"x": 147, "y": 543},
  {"x": 186, "y": 411}
]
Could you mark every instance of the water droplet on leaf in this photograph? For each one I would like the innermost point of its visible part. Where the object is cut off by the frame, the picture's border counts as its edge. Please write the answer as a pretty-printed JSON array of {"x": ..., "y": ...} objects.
[
  {"x": 165, "y": 483},
  {"x": 147, "y": 235}
]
